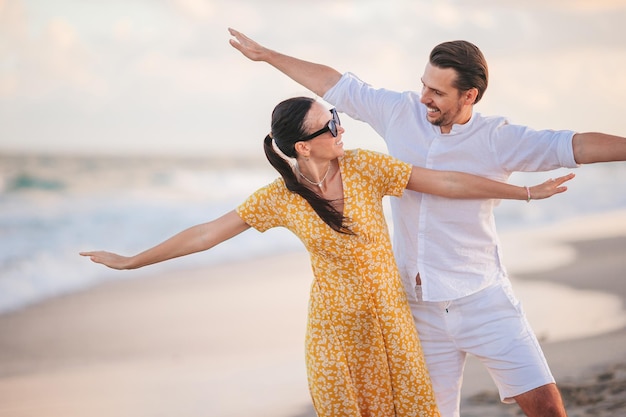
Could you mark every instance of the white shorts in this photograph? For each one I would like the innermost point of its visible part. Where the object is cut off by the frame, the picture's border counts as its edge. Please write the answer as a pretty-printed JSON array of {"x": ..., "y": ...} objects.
[{"x": 489, "y": 325}]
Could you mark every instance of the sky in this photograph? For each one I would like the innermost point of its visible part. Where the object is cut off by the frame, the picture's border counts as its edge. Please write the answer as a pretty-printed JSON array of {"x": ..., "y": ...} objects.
[{"x": 158, "y": 77}]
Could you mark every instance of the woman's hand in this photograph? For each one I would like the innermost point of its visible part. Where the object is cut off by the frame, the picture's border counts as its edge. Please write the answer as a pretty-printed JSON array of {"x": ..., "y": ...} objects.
[
  {"x": 112, "y": 260},
  {"x": 549, "y": 187},
  {"x": 194, "y": 239}
]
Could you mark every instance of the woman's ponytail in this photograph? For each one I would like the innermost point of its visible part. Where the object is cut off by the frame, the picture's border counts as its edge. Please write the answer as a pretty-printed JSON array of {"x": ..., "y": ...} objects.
[{"x": 288, "y": 125}]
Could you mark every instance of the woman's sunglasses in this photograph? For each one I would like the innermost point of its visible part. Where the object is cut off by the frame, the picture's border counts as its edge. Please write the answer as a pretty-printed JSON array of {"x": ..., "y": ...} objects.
[{"x": 331, "y": 127}]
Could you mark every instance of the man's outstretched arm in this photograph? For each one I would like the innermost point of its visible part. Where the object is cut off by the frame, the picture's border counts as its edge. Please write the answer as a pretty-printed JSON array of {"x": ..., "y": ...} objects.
[
  {"x": 598, "y": 147},
  {"x": 315, "y": 77}
]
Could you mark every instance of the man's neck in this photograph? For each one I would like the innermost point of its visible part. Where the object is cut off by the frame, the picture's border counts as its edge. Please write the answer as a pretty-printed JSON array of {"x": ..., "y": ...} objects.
[{"x": 460, "y": 120}]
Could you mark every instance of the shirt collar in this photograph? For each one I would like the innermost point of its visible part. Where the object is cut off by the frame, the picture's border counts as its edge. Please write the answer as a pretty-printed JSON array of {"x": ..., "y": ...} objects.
[{"x": 456, "y": 128}]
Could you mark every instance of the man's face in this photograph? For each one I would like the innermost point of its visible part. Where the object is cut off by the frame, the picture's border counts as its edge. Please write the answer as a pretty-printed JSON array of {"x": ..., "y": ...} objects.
[{"x": 444, "y": 103}]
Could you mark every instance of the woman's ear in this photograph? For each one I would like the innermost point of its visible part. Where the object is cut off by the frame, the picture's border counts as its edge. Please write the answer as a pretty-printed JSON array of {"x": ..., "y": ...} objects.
[{"x": 303, "y": 149}]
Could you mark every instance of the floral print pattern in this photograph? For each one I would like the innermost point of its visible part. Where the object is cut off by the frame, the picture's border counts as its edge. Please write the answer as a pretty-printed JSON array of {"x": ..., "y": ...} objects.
[{"x": 362, "y": 351}]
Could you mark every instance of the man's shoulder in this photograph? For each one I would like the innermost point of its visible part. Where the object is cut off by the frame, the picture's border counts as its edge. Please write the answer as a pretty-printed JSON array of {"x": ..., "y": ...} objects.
[
  {"x": 492, "y": 126},
  {"x": 491, "y": 120},
  {"x": 349, "y": 79}
]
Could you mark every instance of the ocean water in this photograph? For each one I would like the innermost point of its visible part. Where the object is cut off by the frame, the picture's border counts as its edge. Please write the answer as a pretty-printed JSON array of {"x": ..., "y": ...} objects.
[{"x": 52, "y": 207}]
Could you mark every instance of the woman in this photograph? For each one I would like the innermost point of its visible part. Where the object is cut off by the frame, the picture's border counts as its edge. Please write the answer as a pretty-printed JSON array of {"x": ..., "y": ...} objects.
[{"x": 363, "y": 353}]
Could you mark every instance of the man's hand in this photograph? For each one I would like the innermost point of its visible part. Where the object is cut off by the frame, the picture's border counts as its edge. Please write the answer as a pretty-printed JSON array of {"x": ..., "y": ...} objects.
[
  {"x": 249, "y": 48},
  {"x": 316, "y": 77}
]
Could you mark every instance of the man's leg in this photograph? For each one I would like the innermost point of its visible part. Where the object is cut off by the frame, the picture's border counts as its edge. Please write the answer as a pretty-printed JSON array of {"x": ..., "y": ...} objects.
[
  {"x": 497, "y": 332},
  {"x": 544, "y": 401},
  {"x": 444, "y": 361}
]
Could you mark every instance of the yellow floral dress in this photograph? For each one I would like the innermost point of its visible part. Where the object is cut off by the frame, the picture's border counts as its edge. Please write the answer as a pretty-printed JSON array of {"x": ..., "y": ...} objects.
[{"x": 363, "y": 355}]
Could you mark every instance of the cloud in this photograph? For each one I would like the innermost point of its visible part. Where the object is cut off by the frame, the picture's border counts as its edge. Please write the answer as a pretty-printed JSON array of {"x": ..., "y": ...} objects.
[
  {"x": 38, "y": 64},
  {"x": 135, "y": 69},
  {"x": 576, "y": 6},
  {"x": 200, "y": 10},
  {"x": 585, "y": 6},
  {"x": 13, "y": 30},
  {"x": 564, "y": 89},
  {"x": 123, "y": 29}
]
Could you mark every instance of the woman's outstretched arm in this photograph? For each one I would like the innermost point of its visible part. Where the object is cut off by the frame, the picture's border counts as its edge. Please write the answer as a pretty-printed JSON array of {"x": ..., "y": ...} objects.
[
  {"x": 454, "y": 184},
  {"x": 195, "y": 239}
]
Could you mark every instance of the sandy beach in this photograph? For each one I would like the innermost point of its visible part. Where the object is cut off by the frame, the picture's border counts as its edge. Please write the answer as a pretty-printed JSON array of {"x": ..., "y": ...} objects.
[
  {"x": 587, "y": 256},
  {"x": 228, "y": 340}
]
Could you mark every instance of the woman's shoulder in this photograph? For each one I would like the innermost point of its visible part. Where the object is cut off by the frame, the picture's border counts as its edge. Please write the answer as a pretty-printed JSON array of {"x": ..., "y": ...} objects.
[
  {"x": 272, "y": 189},
  {"x": 359, "y": 154},
  {"x": 372, "y": 164}
]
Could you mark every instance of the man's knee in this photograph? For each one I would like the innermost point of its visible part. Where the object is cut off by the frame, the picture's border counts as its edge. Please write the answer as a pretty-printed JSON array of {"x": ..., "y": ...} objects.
[{"x": 544, "y": 401}]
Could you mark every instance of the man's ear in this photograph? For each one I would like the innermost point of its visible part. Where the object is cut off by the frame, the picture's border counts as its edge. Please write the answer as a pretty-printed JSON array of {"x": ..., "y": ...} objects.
[{"x": 470, "y": 96}]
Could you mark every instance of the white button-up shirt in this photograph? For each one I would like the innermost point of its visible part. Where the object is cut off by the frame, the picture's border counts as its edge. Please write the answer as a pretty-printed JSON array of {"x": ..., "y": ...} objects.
[{"x": 452, "y": 243}]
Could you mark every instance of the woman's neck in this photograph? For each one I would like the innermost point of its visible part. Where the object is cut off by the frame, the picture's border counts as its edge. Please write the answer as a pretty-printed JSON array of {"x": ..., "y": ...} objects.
[{"x": 312, "y": 173}]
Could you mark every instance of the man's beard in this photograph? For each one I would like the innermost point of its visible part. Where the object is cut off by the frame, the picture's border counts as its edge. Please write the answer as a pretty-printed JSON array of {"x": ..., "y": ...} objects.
[{"x": 446, "y": 118}]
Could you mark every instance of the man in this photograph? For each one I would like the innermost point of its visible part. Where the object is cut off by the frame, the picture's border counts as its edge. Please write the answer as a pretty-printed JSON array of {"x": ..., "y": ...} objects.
[{"x": 448, "y": 251}]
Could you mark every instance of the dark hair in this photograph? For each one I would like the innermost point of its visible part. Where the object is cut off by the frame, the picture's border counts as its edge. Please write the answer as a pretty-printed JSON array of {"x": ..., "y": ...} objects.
[
  {"x": 467, "y": 61},
  {"x": 287, "y": 127}
]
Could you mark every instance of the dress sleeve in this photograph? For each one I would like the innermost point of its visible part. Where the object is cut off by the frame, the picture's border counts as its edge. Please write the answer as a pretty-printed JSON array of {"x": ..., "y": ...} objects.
[
  {"x": 390, "y": 174},
  {"x": 261, "y": 209}
]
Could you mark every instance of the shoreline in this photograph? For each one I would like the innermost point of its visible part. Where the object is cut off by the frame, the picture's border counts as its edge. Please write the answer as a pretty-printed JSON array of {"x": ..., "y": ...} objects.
[{"x": 228, "y": 340}]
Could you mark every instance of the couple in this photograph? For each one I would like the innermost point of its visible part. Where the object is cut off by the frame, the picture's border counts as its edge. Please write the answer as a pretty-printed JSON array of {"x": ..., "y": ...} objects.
[{"x": 363, "y": 353}]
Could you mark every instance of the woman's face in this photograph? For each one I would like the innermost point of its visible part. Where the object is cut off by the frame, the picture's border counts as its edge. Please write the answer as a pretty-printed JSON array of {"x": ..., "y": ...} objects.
[{"x": 326, "y": 145}]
